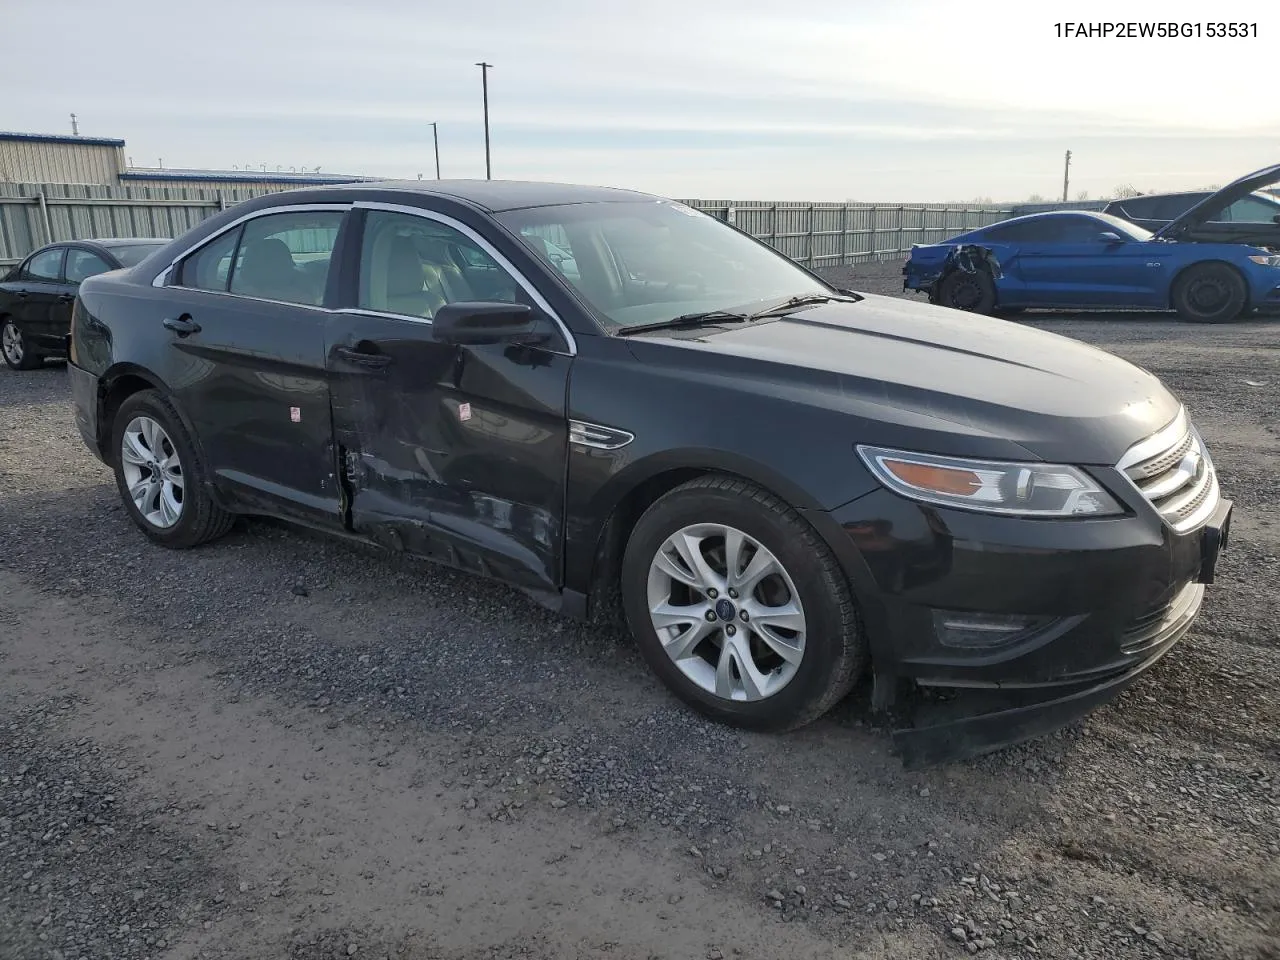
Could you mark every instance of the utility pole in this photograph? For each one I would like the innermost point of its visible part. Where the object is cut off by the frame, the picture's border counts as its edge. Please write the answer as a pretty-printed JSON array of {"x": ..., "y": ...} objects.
[
  {"x": 1066, "y": 174},
  {"x": 436, "y": 138},
  {"x": 75, "y": 128},
  {"x": 484, "y": 80}
]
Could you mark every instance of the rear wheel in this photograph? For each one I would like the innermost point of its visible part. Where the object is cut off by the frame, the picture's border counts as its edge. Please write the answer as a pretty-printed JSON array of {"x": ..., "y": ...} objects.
[
  {"x": 974, "y": 292},
  {"x": 739, "y": 607},
  {"x": 17, "y": 351},
  {"x": 1209, "y": 293},
  {"x": 160, "y": 475}
]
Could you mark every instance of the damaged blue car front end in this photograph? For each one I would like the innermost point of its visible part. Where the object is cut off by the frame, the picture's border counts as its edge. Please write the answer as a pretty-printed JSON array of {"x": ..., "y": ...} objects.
[{"x": 929, "y": 263}]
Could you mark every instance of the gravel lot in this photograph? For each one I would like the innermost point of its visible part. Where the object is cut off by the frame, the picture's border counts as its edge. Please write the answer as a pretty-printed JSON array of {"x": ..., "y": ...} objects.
[{"x": 282, "y": 746}]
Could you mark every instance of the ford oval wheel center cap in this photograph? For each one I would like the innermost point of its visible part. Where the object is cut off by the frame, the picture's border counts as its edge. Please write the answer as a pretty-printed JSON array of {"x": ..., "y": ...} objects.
[{"x": 725, "y": 609}]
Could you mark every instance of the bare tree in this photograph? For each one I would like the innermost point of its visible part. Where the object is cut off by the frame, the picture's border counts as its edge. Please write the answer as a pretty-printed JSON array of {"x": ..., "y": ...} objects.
[
  {"x": 1035, "y": 198},
  {"x": 1124, "y": 191},
  {"x": 1082, "y": 195}
]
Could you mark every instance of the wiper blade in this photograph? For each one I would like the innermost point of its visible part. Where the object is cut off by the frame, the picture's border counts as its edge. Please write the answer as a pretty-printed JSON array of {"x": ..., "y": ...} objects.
[
  {"x": 686, "y": 321},
  {"x": 802, "y": 301}
]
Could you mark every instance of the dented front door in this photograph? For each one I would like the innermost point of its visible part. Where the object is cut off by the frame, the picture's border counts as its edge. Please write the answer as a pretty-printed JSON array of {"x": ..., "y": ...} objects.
[{"x": 454, "y": 453}]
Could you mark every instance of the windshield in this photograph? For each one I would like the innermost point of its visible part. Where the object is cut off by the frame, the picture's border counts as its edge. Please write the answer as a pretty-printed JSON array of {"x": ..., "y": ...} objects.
[
  {"x": 650, "y": 261},
  {"x": 1124, "y": 227},
  {"x": 132, "y": 254}
]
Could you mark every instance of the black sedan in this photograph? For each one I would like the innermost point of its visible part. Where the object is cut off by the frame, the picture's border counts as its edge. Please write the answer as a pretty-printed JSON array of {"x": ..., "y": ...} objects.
[
  {"x": 617, "y": 403},
  {"x": 36, "y": 295}
]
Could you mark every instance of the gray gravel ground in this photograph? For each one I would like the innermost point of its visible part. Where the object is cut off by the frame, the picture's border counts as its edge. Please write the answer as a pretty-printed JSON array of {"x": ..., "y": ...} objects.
[{"x": 281, "y": 745}]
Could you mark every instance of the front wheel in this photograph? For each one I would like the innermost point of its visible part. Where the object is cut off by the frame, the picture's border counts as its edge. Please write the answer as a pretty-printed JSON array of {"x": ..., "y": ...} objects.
[
  {"x": 16, "y": 350},
  {"x": 1209, "y": 293},
  {"x": 974, "y": 292},
  {"x": 739, "y": 607},
  {"x": 159, "y": 474}
]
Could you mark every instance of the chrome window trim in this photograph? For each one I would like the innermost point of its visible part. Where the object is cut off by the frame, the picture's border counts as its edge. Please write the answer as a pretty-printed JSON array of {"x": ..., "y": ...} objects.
[
  {"x": 597, "y": 436},
  {"x": 161, "y": 279},
  {"x": 487, "y": 247}
]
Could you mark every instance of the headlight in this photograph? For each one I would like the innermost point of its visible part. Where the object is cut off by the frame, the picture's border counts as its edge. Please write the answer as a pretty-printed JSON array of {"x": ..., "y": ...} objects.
[
  {"x": 1267, "y": 261},
  {"x": 1021, "y": 489}
]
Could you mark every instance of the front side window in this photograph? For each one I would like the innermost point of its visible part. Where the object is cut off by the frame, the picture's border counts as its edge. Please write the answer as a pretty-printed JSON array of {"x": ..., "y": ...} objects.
[
  {"x": 46, "y": 266},
  {"x": 652, "y": 260},
  {"x": 285, "y": 256},
  {"x": 82, "y": 264},
  {"x": 1251, "y": 210},
  {"x": 413, "y": 266}
]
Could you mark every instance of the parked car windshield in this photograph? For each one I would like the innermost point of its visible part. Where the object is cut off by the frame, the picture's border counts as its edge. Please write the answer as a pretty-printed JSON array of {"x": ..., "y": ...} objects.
[
  {"x": 132, "y": 254},
  {"x": 649, "y": 261}
]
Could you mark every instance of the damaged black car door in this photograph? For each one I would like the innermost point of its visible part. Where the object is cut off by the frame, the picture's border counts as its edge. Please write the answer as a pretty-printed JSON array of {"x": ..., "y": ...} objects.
[{"x": 452, "y": 447}]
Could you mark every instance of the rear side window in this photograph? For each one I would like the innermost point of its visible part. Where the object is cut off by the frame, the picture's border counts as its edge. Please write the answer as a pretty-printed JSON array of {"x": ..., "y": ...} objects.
[
  {"x": 1013, "y": 232},
  {"x": 82, "y": 264},
  {"x": 46, "y": 266},
  {"x": 285, "y": 256}
]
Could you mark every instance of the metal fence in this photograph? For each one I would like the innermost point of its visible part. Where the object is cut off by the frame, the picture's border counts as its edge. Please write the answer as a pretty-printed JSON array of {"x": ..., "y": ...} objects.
[
  {"x": 831, "y": 234},
  {"x": 813, "y": 234}
]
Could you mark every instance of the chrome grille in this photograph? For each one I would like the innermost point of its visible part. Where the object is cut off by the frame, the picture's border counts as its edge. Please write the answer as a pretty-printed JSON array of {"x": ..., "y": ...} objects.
[{"x": 1173, "y": 471}]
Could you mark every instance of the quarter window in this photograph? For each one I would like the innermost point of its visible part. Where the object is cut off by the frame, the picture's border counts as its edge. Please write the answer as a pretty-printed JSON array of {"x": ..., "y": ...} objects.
[
  {"x": 285, "y": 256},
  {"x": 46, "y": 265},
  {"x": 82, "y": 264},
  {"x": 413, "y": 266},
  {"x": 209, "y": 268}
]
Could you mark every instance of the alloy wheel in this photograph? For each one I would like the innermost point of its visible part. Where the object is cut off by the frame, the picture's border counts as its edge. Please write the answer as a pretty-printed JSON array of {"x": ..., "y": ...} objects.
[
  {"x": 726, "y": 612},
  {"x": 152, "y": 472},
  {"x": 11, "y": 343}
]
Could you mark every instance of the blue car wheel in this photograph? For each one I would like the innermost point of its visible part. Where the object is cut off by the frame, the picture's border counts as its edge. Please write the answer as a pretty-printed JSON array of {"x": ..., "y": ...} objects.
[
  {"x": 974, "y": 292},
  {"x": 1209, "y": 293}
]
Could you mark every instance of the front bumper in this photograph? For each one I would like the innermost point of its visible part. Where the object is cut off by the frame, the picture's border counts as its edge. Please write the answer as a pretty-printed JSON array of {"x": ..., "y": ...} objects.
[{"x": 1094, "y": 604}]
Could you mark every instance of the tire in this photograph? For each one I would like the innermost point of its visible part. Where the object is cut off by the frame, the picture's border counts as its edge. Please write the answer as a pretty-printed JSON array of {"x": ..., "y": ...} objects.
[
  {"x": 1209, "y": 293},
  {"x": 17, "y": 351},
  {"x": 162, "y": 458},
  {"x": 826, "y": 655},
  {"x": 972, "y": 292}
]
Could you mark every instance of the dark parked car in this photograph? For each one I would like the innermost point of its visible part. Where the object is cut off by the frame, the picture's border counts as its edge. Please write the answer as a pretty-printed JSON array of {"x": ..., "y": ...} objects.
[
  {"x": 36, "y": 295},
  {"x": 785, "y": 484},
  {"x": 1252, "y": 219}
]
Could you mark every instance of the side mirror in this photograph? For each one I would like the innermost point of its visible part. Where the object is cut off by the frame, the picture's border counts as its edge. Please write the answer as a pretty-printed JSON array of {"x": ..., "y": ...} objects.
[
  {"x": 1109, "y": 236},
  {"x": 481, "y": 322},
  {"x": 1276, "y": 218}
]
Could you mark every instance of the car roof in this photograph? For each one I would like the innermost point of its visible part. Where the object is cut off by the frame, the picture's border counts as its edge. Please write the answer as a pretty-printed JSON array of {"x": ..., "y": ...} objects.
[
  {"x": 123, "y": 241},
  {"x": 493, "y": 196}
]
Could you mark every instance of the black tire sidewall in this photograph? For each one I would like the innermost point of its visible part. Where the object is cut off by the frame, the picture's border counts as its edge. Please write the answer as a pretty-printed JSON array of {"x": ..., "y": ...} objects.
[
  {"x": 985, "y": 305},
  {"x": 823, "y": 627},
  {"x": 151, "y": 403},
  {"x": 1234, "y": 307}
]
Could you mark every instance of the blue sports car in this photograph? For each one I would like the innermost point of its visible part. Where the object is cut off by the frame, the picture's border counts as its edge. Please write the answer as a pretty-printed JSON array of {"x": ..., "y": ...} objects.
[{"x": 1072, "y": 259}]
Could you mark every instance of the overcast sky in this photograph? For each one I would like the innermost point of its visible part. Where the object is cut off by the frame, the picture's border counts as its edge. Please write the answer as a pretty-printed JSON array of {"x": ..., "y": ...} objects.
[{"x": 878, "y": 100}]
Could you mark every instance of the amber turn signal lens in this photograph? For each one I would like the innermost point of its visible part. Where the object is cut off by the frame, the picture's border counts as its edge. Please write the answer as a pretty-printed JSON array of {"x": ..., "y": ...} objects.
[{"x": 938, "y": 479}]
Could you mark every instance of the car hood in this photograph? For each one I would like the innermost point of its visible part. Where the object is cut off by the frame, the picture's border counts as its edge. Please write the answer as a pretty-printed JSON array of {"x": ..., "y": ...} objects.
[
  {"x": 958, "y": 382},
  {"x": 1236, "y": 190}
]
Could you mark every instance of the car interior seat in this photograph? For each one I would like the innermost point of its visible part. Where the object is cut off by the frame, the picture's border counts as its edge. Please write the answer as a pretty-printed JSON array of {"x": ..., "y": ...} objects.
[{"x": 267, "y": 270}]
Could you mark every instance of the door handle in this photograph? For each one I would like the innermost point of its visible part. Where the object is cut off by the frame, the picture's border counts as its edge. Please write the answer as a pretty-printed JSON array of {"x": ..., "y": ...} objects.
[
  {"x": 22, "y": 294},
  {"x": 183, "y": 326},
  {"x": 372, "y": 360},
  {"x": 66, "y": 297}
]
